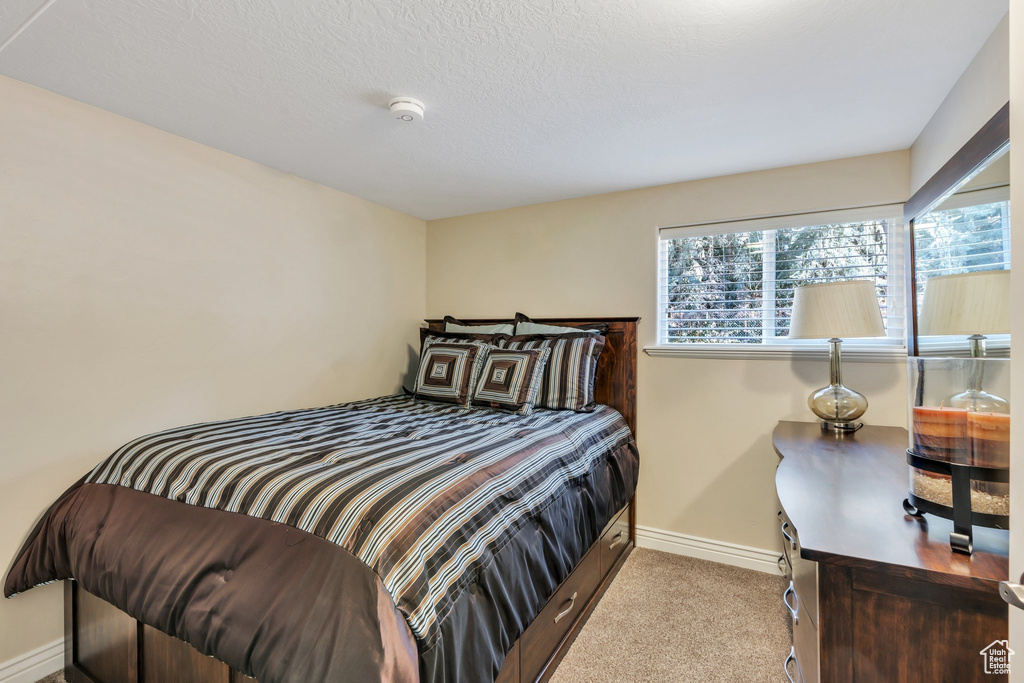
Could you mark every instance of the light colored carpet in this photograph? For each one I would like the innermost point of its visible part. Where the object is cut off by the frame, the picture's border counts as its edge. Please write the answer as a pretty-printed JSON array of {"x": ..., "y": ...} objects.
[{"x": 672, "y": 618}]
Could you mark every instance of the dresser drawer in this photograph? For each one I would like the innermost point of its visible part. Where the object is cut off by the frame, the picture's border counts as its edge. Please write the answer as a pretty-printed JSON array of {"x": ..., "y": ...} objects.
[
  {"x": 805, "y": 584},
  {"x": 803, "y": 574},
  {"x": 802, "y": 663},
  {"x": 614, "y": 540},
  {"x": 805, "y": 650},
  {"x": 558, "y": 615},
  {"x": 801, "y": 599},
  {"x": 791, "y": 667},
  {"x": 788, "y": 535}
]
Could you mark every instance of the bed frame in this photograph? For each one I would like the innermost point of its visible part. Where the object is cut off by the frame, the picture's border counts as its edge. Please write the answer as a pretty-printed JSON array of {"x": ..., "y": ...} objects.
[{"x": 102, "y": 644}]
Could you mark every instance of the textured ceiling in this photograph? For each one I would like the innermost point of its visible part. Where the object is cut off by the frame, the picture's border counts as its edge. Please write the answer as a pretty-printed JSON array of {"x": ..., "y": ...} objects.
[{"x": 527, "y": 100}]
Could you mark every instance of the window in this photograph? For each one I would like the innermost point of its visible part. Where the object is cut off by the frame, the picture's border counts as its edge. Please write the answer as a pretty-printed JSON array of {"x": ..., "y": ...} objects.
[
  {"x": 969, "y": 232},
  {"x": 730, "y": 285}
]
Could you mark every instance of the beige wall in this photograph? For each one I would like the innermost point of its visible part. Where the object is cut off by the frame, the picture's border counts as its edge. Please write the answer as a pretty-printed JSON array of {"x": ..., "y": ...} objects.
[
  {"x": 147, "y": 281},
  {"x": 1017, "y": 323},
  {"x": 707, "y": 465},
  {"x": 977, "y": 95}
]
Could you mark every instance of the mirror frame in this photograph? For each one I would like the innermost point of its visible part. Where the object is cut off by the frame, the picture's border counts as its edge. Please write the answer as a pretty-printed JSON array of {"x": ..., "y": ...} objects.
[{"x": 985, "y": 144}]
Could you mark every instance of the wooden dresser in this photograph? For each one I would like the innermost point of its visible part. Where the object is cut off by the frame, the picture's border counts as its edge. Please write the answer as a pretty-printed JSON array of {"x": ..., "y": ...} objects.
[{"x": 874, "y": 594}]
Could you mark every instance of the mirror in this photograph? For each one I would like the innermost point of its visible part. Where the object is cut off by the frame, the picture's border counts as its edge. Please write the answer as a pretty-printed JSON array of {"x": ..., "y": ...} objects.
[
  {"x": 964, "y": 244},
  {"x": 961, "y": 259}
]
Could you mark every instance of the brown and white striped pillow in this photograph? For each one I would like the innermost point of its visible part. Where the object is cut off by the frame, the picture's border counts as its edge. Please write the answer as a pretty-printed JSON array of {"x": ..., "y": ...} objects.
[
  {"x": 437, "y": 336},
  {"x": 511, "y": 380},
  {"x": 570, "y": 371},
  {"x": 448, "y": 372}
]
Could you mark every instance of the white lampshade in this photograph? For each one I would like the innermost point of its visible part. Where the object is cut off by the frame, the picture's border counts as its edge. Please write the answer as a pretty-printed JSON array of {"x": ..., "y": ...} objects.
[
  {"x": 968, "y": 303},
  {"x": 836, "y": 309}
]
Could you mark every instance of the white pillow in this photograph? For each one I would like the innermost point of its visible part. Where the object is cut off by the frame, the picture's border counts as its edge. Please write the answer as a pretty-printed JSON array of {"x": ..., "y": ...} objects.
[
  {"x": 536, "y": 328},
  {"x": 504, "y": 328}
]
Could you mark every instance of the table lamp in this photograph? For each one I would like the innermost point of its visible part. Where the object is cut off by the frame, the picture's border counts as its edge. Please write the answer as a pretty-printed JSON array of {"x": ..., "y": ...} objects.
[
  {"x": 833, "y": 310},
  {"x": 973, "y": 304}
]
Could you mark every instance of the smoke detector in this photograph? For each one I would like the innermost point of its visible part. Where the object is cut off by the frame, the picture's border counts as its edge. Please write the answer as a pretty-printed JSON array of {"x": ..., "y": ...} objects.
[{"x": 406, "y": 109}]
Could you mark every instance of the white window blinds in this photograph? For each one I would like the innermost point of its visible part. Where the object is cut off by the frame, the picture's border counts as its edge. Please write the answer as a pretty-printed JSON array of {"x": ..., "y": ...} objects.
[{"x": 733, "y": 283}]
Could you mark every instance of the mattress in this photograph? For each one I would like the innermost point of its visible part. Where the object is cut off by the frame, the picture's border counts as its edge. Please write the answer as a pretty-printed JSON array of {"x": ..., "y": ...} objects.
[{"x": 388, "y": 539}]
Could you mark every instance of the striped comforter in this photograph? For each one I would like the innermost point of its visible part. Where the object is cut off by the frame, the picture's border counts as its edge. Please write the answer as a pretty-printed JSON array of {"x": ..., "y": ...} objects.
[{"x": 423, "y": 493}]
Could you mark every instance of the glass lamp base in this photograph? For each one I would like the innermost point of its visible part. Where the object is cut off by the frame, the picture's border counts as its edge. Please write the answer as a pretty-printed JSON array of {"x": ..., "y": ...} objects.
[
  {"x": 838, "y": 406},
  {"x": 839, "y": 426},
  {"x": 978, "y": 400}
]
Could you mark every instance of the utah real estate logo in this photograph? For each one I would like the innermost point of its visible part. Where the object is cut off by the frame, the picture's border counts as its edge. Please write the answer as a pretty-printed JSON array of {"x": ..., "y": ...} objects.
[{"x": 997, "y": 657}]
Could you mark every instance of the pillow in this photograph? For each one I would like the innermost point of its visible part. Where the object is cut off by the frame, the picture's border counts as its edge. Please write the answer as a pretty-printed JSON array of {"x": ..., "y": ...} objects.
[
  {"x": 570, "y": 370},
  {"x": 511, "y": 380},
  {"x": 448, "y": 372},
  {"x": 453, "y": 325},
  {"x": 526, "y": 326},
  {"x": 454, "y": 337}
]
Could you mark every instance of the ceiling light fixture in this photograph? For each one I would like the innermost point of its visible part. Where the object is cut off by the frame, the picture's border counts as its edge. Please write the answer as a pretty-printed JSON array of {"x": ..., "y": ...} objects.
[{"x": 406, "y": 109}]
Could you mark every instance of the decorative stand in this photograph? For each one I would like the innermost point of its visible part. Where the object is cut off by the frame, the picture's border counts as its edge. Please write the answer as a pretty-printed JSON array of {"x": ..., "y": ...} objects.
[
  {"x": 959, "y": 450},
  {"x": 961, "y": 539}
]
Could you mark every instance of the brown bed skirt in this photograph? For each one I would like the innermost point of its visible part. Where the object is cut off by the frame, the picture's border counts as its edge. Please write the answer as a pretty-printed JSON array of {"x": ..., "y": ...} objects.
[
  {"x": 105, "y": 645},
  {"x": 265, "y": 598}
]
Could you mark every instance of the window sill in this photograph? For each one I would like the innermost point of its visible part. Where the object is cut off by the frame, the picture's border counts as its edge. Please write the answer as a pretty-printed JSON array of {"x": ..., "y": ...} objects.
[
  {"x": 880, "y": 354},
  {"x": 996, "y": 348}
]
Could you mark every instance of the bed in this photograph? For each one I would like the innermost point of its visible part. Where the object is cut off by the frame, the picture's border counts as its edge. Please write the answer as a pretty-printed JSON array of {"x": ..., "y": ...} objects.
[{"x": 200, "y": 553}]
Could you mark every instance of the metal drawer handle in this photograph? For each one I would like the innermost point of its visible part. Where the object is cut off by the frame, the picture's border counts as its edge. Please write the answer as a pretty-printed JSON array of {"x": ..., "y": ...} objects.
[
  {"x": 785, "y": 535},
  {"x": 1012, "y": 593},
  {"x": 618, "y": 539},
  {"x": 783, "y": 564},
  {"x": 572, "y": 603},
  {"x": 794, "y": 608},
  {"x": 789, "y": 660}
]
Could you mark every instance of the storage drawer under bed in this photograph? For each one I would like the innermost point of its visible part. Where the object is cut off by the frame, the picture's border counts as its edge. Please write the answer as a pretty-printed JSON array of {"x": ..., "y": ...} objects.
[
  {"x": 614, "y": 540},
  {"x": 558, "y": 615}
]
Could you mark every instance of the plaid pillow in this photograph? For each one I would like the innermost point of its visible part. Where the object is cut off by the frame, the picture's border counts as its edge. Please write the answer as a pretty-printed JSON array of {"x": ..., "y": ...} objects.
[
  {"x": 448, "y": 371},
  {"x": 570, "y": 371},
  {"x": 511, "y": 380}
]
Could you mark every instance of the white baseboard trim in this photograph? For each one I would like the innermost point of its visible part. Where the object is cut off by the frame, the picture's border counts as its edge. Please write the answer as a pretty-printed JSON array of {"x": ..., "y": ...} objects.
[
  {"x": 31, "y": 666},
  {"x": 766, "y": 561}
]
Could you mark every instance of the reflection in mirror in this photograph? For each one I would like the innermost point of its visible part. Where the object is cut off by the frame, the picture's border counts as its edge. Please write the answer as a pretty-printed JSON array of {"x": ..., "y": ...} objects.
[{"x": 962, "y": 259}]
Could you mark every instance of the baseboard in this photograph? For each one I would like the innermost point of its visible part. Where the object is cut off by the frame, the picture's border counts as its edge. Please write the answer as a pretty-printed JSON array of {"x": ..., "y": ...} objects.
[
  {"x": 31, "y": 666},
  {"x": 766, "y": 561}
]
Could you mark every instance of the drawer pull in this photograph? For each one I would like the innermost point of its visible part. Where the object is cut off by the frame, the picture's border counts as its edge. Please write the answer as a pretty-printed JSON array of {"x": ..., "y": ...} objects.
[
  {"x": 789, "y": 660},
  {"x": 783, "y": 564},
  {"x": 794, "y": 609},
  {"x": 618, "y": 539},
  {"x": 792, "y": 541},
  {"x": 572, "y": 603}
]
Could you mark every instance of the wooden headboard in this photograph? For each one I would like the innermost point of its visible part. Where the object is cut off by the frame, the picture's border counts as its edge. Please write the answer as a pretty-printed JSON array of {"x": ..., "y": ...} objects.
[{"x": 616, "y": 369}]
